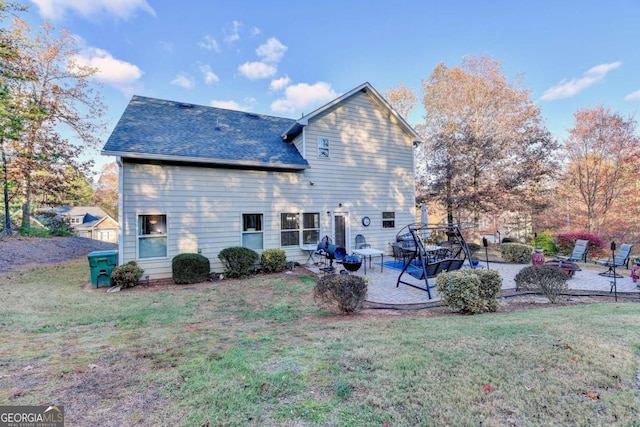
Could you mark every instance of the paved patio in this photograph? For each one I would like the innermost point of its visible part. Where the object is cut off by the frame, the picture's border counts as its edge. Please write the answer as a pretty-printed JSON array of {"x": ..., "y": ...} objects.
[{"x": 382, "y": 285}]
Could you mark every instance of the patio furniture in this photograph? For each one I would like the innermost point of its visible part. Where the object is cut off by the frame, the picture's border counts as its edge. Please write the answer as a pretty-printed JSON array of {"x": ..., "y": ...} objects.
[
  {"x": 579, "y": 252},
  {"x": 620, "y": 259},
  {"x": 568, "y": 267},
  {"x": 361, "y": 242},
  {"x": 427, "y": 261},
  {"x": 369, "y": 252}
]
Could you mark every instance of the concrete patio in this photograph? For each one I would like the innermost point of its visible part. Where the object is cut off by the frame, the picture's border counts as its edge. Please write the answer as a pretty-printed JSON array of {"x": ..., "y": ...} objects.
[{"x": 382, "y": 284}]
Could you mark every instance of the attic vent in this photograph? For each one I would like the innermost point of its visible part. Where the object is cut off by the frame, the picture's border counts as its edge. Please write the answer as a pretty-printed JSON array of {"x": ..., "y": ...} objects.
[
  {"x": 186, "y": 106},
  {"x": 252, "y": 116}
]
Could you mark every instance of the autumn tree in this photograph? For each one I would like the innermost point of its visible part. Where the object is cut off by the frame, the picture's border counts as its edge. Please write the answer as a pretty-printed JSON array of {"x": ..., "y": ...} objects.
[
  {"x": 402, "y": 99},
  {"x": 58, "y": 95},
  {"x": 487, "y": 148},
  {"x": 10, "y": 115},
  {"x": 602, "y": 160},
  {"x": 106, "y": 190}
]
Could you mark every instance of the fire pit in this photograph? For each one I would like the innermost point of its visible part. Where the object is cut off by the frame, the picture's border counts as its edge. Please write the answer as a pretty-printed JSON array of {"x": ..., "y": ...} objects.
[
  {"x": 569, "y": 268},
  {"x": 352, "y": 263}
]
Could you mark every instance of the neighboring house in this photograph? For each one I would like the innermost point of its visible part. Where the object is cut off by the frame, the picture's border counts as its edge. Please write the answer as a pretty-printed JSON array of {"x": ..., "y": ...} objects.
[
  {"x": 201, "y": 179},
  {"x": 88, "y": 221}
]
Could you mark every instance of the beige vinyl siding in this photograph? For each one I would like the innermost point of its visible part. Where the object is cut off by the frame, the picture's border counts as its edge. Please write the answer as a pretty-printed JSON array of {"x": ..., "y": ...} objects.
[{"x": 370, "y": 171}]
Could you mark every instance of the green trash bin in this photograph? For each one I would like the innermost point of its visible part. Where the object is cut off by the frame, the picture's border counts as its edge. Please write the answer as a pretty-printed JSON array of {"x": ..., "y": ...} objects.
[{"x": 102, "y": 264}]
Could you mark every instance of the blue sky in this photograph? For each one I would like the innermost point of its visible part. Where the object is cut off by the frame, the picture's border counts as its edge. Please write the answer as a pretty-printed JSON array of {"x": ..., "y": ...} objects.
[{"x": 286, "y": 58}]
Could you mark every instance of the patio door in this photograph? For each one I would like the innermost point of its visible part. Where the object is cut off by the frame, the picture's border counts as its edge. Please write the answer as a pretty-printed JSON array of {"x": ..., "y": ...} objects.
[{"x": 341, "y": 229}]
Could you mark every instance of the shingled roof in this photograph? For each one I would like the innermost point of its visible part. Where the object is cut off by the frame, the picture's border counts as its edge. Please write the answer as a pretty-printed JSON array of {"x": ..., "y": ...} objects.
[{"x": 156, "y": 129}]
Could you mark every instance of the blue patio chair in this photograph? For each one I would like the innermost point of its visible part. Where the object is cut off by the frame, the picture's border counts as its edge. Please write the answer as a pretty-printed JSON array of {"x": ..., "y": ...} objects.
[
  {"x": 579, "y": 252},
  {"x": 620, "y": 259}
]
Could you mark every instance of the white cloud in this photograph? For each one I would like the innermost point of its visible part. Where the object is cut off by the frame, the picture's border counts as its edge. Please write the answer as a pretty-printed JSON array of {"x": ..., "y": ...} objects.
[
  {"x": 209, "y": 43},
  {"x": 633, "y": 96},
  {"x": 303, "y": 96},
  {"x": 279, "y": 84},
  {"x": 257, "y": 70},
  {"x": 183, "y": 80},
  {"x": 208, "y": 75},
  {"x": 255, "y": 31},
  {"x": 115, "y": 72},
  {"x": 567, "y": 89},
  {"x": 235, "y": 35},
  {"x": 233, "y": 105},
  {"x": 272, "y": 51},
  {"x": 124, "y": 9}
]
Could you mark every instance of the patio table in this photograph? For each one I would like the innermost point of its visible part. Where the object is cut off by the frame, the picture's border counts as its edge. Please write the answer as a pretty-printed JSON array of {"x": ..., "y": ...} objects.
[{"x": 369, "y": 252}]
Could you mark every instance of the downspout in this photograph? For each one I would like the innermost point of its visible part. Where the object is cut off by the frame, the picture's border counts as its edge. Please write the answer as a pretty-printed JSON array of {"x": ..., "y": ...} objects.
[{"x": 120, "y": 164}]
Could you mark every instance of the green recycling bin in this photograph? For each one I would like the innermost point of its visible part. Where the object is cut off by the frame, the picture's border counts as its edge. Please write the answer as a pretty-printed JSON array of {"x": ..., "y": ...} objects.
[{"x": 102, "y": 264}]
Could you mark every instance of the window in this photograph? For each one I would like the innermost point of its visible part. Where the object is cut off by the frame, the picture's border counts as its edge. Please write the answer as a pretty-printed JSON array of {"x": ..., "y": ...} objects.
[
  {"x": 152, "y": 236},
  {"x": 75, "y": 220},
  {"x": 252, "y": 231},
  {"x": 290, "y": 229},
  {"x": 323, "y": 148},
  {"x": 310, "y": 228},
  {"x": 388, "y": 220}
]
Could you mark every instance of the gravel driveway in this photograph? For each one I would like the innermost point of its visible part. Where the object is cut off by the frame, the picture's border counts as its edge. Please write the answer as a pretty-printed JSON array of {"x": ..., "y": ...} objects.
[{"x": 18, "y": 252}]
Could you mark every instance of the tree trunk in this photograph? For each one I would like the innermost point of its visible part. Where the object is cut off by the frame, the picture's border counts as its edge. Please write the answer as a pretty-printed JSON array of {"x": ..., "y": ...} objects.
[
  {"x": 5, "y": 176},
  {"x": 26, "y": 207}
]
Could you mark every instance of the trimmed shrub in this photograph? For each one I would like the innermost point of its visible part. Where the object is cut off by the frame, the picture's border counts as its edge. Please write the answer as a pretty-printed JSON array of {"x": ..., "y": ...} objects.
[
  {"x": 516, "y": 252},
  {"x": 595, "y": 248},
  {"x": 470, "y": 291},
  {"x": 273, "y": 261},
  {"x": 238, "y": 261},
  {"x": 190, "y": 268},
  {"x": 549, "y": 280},
  {"x": 342, "y": 293},
  {"x": 546, "y": 242},
  {"x": 126, "y": 275}
]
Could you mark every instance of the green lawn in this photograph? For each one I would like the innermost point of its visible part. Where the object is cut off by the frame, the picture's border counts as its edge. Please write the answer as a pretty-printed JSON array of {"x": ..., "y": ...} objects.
[{"x": 259, "y": 352}]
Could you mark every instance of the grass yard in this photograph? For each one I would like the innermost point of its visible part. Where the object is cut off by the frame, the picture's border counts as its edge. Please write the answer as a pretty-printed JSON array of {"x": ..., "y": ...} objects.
[{"x": 259, "y": 352}]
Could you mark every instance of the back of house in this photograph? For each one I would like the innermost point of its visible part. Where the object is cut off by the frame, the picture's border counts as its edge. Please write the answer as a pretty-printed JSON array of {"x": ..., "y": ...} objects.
[{"x": 201, "y": 179}]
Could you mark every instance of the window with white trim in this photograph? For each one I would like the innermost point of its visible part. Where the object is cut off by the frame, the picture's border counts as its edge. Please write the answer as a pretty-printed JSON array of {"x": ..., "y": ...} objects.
[
  {"x": 323, "y": 148},
  {"x": 152, "y": 236},
  {"x": 310, "y": 228},
  {"x": 252, "y": 231},
  {"x": 289, "y": 229},
  {"x": 388, "y": 220}
]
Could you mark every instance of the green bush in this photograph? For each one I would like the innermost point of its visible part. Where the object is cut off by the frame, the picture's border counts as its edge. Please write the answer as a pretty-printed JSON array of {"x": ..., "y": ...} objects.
[
  {"x": 238, "y": 261},
  {"x": 516, "y": 252},
  {"x": 343, "y": 293},
  {"x": 549, "y": 280},
  {"x": 190, "y": 268},
  {"x": 126, "y": 275},
  {"x": 545, "y": 241},
  {"x": 470, "y": 291},
  {"x": 273, "y": 260}
]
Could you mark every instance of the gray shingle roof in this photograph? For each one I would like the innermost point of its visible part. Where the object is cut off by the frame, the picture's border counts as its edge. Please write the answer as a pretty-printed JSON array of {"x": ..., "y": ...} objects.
[{"x": 166, "y": 130}]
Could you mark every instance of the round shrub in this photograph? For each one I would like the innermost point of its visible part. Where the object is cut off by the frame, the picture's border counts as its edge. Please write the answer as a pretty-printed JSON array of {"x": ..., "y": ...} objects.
[
  {"x": 126, "y": 275},
  {"x": 550, "y": 280},
  {"x": 238, "y": 261},
  {"x": 273, "y": 261},
  {"x": 343, "y": 293},
  {"x": 516, "y": 252},
  {"x": 470, "y": 291},
  {"x": 190, "y": 268},
  {"x": 546, "y": 242}
]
